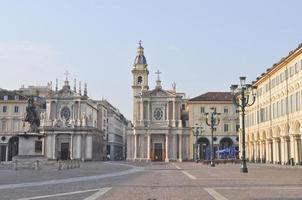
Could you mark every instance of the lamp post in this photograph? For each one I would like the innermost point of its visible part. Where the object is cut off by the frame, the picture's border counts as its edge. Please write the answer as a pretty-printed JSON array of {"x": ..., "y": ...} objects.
[
  {"x": 241, "y": 98},
  {"x": 212, "y": 122},
  {"x": 197, "y": 132}
]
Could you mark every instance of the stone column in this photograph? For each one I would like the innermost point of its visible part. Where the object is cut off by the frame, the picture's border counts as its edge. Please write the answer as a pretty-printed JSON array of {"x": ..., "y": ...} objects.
[
  {"x": 167, "y": 148},
  {"x": 83, "y": 142},
  {"x": 282, "y": 146},
  {"x": 278, "y": 146},
  {"x": 274, "y": 151},
  {"x": 261, "y": 151},
  {"x": 175, "y": 147},
  {"x": 168, "y": 111},
  {"x": 148, "y": 111},
  {"x": 286, "y": 152},
  {"x": 148, "y": 149},
  {"x": 267, "y": 151},
  {"x": 142, "y": 110},
  {"x": 257, "y": 154},
  {"x": 180, "y": 148},
  {"x": 88, "y": 147},
  {"x": 54, "y": 147},
  {"x": 135, "y": 147},
  {"x": 297, "y": 154},
  {"x": 173, "y": 117},
  {"x": 247, "y": 150},
  {"x": 292, "y": 147},
  {"x": 6, "y": 153},
  {"x": 71, "y": 147},
  {"x": 78, "y": 155},
  {"x": 179, "y": 115}
]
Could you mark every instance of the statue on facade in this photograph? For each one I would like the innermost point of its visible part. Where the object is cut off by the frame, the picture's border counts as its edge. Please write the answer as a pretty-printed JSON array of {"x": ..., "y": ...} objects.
[{"x": 32, "y": 116}]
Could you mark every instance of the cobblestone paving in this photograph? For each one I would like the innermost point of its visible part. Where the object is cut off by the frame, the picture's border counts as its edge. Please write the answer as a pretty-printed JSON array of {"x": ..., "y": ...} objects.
[{"x": 161, "y": 181}]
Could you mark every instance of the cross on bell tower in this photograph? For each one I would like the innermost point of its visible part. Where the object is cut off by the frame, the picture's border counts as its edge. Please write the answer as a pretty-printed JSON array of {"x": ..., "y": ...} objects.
[{"x": 158, "y": 81}]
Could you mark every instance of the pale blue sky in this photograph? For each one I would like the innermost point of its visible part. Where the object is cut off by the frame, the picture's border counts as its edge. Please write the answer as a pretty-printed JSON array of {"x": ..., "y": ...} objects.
[{"x": 202, "y": 45}]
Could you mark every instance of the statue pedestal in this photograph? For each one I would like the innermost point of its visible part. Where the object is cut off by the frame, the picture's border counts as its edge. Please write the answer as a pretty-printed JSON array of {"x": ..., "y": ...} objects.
[
  {"x": 30, "y": 144},
  {"x": 30, "y": 152}
]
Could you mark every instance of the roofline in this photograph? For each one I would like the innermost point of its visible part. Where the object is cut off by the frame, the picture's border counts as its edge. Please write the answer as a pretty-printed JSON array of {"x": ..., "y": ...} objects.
[{"x": 284, "y": 61}]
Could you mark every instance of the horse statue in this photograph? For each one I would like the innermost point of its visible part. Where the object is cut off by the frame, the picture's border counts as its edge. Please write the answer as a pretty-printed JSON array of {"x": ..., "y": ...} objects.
[{"x": 32, "y": 116}]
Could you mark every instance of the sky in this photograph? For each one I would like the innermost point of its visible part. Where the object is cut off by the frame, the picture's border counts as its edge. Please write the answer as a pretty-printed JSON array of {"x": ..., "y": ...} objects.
[{"x": 202, "y": 45}]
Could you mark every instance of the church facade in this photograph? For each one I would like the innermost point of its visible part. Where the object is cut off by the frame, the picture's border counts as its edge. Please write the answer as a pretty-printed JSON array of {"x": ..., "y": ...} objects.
[
  {"x": 157, "y": 133},
  {"x": 71, "y": 126}
]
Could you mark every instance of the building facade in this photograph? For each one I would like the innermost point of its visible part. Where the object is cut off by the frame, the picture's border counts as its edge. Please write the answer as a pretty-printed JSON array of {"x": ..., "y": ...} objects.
[
  {"x": 225, "y": 133},
  {"x": 273, "y": 133},
  {"x": 71, "y": 126},
  {"x": 157, "y": 133},
  {"x": 12, "y": 112},
  {"x": 116, "y": 125}
]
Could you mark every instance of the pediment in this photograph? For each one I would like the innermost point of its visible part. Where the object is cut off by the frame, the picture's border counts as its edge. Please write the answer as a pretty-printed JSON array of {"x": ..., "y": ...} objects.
[
  {"x": 158, "y": 92},
  {"x": 65, "y": 93}
]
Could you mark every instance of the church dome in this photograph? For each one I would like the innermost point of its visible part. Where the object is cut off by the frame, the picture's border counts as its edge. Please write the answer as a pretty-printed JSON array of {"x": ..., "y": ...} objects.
[{"x": 140, "y": 58}]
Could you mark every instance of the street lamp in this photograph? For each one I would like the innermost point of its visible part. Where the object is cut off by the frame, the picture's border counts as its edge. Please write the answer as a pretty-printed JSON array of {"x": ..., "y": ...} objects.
[
  {"x": 197, "y": 132},
  {"x": 241, "y": 98},
  {"x": 212, "y": 122}
]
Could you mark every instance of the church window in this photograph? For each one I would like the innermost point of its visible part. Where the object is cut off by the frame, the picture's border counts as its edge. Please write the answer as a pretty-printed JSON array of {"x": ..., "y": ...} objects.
[
  {"x": 237, "y": 127},
  {"x": 226, "y": 127},
  {"x": 202, "y": 110},
  {"x": 291, "y": 71},
  {"x": 225, "y": 110},
  {"x": 4, "y": 109},
  {"x": 139, "y": 80},
  {"x": 65, "y": 113},
  {"x": 158, "y": 114},
  {"x": 16, "y": 109},
  {"x": 296, "y": 68}
]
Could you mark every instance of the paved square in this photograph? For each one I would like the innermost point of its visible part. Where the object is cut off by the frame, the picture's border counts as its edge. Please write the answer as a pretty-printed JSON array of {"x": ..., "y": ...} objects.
[{"x": 155, "y": 181}]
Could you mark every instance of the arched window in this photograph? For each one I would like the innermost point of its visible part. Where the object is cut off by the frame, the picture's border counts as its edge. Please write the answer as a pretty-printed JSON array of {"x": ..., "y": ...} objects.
[{"x": 139, "y": 80}]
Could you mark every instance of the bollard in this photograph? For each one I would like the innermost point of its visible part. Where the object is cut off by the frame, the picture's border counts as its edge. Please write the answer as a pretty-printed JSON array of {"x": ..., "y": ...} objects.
[
  {"x": 37, "y": 165},
  {"x": 292, "y": 162},
  {"x": 73, "y": 164},
  {"x": 60, "y": 165},
  {"x": 16, "y": 165}
]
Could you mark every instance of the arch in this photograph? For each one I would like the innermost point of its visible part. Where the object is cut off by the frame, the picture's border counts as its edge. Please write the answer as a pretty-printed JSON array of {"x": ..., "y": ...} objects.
[
  {"x": 204, "y": 148},
  {"x": 203, "y": 140},
  {"x": 139, "y": 80},
  {"x": 13, "y": 147},
  {"x": 225, "y": 142}
]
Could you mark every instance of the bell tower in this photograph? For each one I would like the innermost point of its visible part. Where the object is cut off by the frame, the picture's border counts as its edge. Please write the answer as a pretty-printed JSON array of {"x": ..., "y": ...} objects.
[
  {"x": 140, "y": 71},
  {"x": 140, "y": 74}
]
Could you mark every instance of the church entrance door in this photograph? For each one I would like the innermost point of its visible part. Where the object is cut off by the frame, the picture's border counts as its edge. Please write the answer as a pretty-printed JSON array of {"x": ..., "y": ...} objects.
[
  {"x": 158, "y": 152},
  {"x": 64, "y": 151}
]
